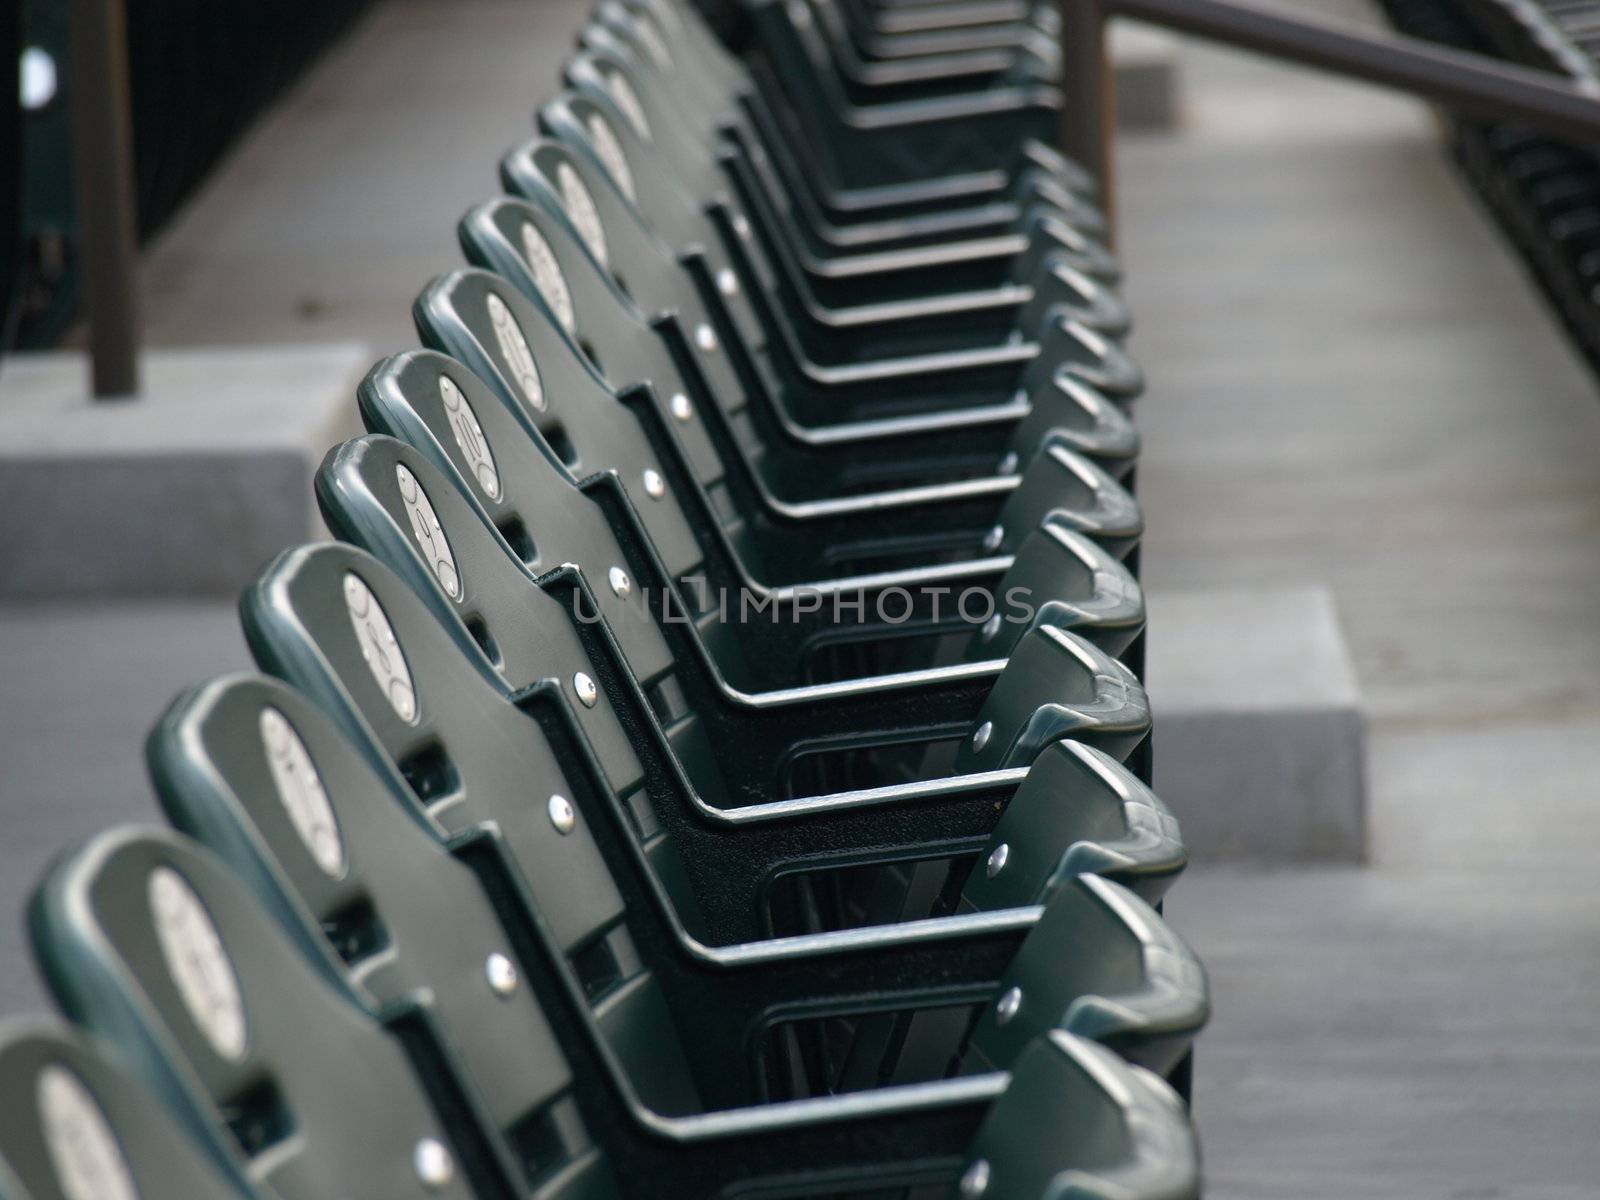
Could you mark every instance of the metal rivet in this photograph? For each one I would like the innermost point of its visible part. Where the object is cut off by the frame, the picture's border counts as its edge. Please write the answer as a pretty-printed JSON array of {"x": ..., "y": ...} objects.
[
  {"x": 992, "y": 539},
  {"x": 501, "y": 973},
  {"x": 976, "y": 1180},
  {"x": 991, "y": 627},
  {"x": 587, "y": 692},
  {"x": 998, "y": 858},
  {"x": 620, "y": 583},
  {"x": 705, "y": 338},
  {"x": 741, "y": 226},
  {"x": 654, "y": 486},
  {"x": 980, "y": 737},
  {"x": 1008, "y": 464},
  {"x": 681, "y": 408},
  {"x": 433, "y": 1164},
  {"x": 562, "y": 814},
  {"x": 727, "y": 282},
  {"x": 1008, "y": 1007}
]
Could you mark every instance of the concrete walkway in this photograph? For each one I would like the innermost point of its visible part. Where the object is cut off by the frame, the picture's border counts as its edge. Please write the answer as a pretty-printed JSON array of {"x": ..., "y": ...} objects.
[{"x": 1353, "y": 385}]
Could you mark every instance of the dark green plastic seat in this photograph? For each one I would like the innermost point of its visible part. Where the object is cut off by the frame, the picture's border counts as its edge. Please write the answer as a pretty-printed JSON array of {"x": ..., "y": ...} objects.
[
  {"x": 610, "y": 74},
  {"x": 538, "y": 249},
  {"x": 248, "y": 1029},
  {"x": 76, "y": 1125},
  {"x": 257, "y": 773},
  {"x": 477, "y": 727},
  {"x": 482, "y": 320},
  {"x": 445, "y": 412},
  {"x": 1058, "y": 1135},
  {"x": 671, "y": 880},
  {"x": 1050, "y": 338},
  {"x": 382, "y": 494},
  {"x": 232, "y": 1011},
  {"x": 802, "y": 240}
]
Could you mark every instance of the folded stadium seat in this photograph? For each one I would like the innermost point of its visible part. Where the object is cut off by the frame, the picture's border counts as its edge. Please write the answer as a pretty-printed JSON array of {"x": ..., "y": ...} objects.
[
  {"x": 759, "y": 348},
  {"x": 381, "y": 493},
  {"x": 933, "y": 277},
  {"x": 254, "y": 1040},
  {"x": 209, "y": 758},
  {"x": 482, "y": 729},
  {"x": 148, "y": 938},
  {"x": 673, "y": 462},
  {"x": 537, "y": 251},
  {"x": 707, "y": 148},
  {"x": 546, "y": 520},
  {"x": 925, "y": 152},
  {"x": 716, "y": 92},
  {"x": 75, "y": 1124},
  {"x": 875, "y": 248}
]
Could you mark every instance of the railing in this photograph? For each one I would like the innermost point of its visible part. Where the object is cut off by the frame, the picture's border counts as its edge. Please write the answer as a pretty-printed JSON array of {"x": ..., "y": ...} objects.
[{"x": 1469, "y": 84}]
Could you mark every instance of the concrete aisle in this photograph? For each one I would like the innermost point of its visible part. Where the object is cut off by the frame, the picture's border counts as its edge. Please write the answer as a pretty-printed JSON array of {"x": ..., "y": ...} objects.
[{"x": 1352, "y": 384}]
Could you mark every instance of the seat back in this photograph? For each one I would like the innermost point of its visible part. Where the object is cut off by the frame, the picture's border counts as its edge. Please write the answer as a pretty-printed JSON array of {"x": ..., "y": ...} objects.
[
  {"x": 519, "y": 349},
  {"x": 235, "y": 1018},
  {"x": 345, "y": 630},
  {"x": 1055, "y": 685},
  {"x": 1076, "y": 1123},
  {"x": 1101, "y": 963},
  {"x": 382, "y": 495},
  {"x": 76, "y": 1125},
  {"x": 451, "y": 417},
  {"x": 257, "y": 773},
  {"x": 1079, "y": 811}
]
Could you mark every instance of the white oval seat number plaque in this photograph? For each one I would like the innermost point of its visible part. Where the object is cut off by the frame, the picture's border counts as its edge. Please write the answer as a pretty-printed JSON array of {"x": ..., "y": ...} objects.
[
  {"x": 301, "y": 792},
  {"x": 380, "y": 648},
  {"x": 610, "y": 152},
  {"x": 197, "y": 962},
  {"x": 514, "y": 350},
  {"x": 469, "y": 437},
  {"x": 547, "y": 276},
  {"x": 580, "y": 207},
  {"x": 84, "y": 1153},
  {"x": 628, "y": 101},
  {"x": 429, "y": 533}
]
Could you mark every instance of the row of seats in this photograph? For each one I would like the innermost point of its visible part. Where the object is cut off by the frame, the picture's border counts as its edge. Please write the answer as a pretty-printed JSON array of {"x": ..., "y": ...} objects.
[
  {"x": 1544, "y": 193},
  {"x": 712, "y": 759}
]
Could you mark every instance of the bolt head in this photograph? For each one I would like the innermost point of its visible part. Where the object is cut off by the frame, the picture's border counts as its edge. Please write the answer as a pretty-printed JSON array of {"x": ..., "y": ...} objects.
[
  {"x": 981, "y": 735},
  {"x": 727, "y": 282},
  {"x": 1008, "y": 464},
  {"x": 588, "y": 693},
  {"x": 998, "y": 858},
  {"x": 562, "y": 815},
  {"x": 975, "y": 1182},
  {"x": 433, "y": 1164},
  {"x": 992, "y": 539},
  {"x": 705, "y": 337},
  {"x": 654, "y": 486},
  {"x": 501, "y": 973},
  {"x": 991, "y": 628},
  {"x": 1009, "y": 1005},
  {"x": 620, "y": 583},
  {"x": 681, "y": 408}
]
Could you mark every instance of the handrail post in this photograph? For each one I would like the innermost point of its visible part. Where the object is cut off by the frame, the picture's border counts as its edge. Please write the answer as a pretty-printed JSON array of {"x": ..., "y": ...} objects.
[
  {"x": 102, "y": 166},
  {"x": 1088, "y": 110}
]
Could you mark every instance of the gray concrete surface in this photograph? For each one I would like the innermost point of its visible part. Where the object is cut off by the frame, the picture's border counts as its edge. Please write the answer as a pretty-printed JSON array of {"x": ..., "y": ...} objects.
[
  {"x": 1261, "y": 743},
  {"x": 1353, "y": 384},
  {"x": 1148, "y": 77},
  {"x": 185, "y": 491},
  {"x": 80, "y": 687}
]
